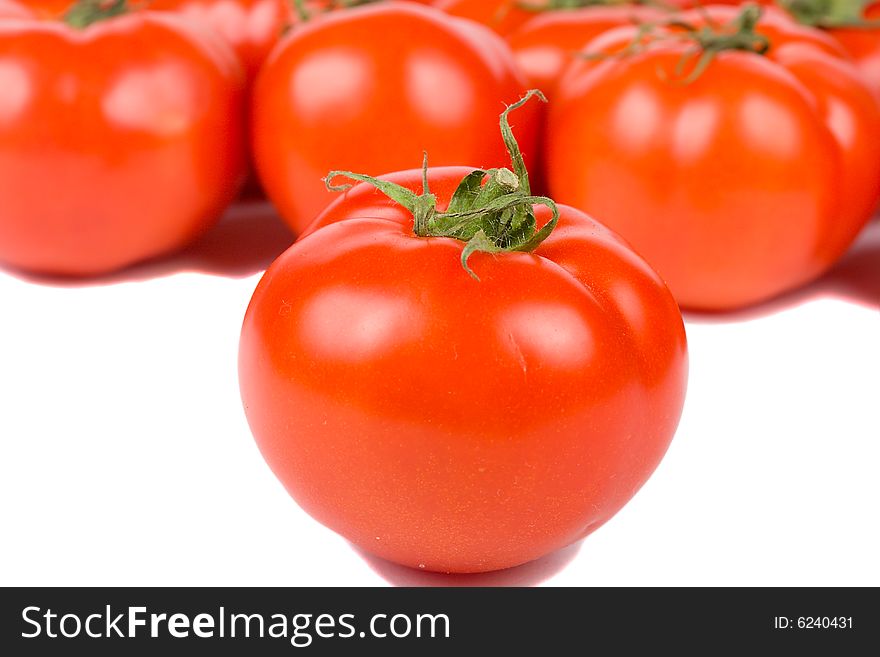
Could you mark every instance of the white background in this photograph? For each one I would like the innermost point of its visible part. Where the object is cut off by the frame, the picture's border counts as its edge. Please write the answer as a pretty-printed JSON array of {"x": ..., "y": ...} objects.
[{"x": 125, "y": 457}]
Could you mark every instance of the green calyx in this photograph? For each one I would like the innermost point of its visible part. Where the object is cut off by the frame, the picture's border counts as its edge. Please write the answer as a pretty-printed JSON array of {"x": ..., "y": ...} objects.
[
  {"x": 707, "y": 41},
  {"x": 87, "y": 12},
  {"x": 710, "y": 40},
  {"x": 829, "y": 13},
  {"x": 491, "y": 211},
  {"x": 303, "y": 13}
]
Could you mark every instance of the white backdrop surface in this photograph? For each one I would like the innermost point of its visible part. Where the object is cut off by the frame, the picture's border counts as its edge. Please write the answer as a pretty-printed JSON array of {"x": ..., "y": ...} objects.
[{"x": 125, "y": 457}]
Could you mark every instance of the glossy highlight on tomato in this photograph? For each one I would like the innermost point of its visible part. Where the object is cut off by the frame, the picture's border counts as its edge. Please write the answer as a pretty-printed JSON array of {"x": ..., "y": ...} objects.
[
  {"x": 109, "y": 153},
  {"x": 370, "y": 89}
]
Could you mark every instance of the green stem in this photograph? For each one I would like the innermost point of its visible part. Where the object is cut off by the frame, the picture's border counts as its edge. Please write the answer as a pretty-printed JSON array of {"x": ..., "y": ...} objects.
[
  {"x": 708, "y": 41},
  {"x": 557, "y": 5},
  {"x": 303, "y": 13},
  {"x": 711, "y": 40},
  {"x": 830, "y": 13},
  {"x": 491, "y": 211},
  {"x": 87, "y": 12}
]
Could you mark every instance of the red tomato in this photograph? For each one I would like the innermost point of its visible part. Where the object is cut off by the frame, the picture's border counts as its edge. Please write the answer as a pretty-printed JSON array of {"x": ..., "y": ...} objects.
[
  {"x": 118, "y": 142},
  {"x": 251, "y": 27},
  {"x": 503, "y": 16},
  {"x": 369, "y": 89},
  {"x": 545, "y": 45},
  {"x": 454, "y": 424},
  {"x": 740, "y": 184}
]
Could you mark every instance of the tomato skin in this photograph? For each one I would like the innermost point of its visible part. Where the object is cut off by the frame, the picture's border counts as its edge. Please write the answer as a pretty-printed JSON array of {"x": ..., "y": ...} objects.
[
  {"x": 50, "y": 9},
  {"x": 118, "y": 143},
  {"x": 369, "y": 89},
  {"x": 546, "y": 45},
  {"x": 731, "y": 210},
  {"x": 251, "y": 27},
  {"x": 449, "y": 424}
]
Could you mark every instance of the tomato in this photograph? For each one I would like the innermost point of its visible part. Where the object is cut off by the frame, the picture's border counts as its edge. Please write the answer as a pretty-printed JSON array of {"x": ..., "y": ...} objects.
[
  {"x": 370, "y": 89},
  {"x": 738, "y": 183},
  {"x": 118, "y": 142},
  {"x": 251, "y": 27},
  {"x": 455, "y": 422}
]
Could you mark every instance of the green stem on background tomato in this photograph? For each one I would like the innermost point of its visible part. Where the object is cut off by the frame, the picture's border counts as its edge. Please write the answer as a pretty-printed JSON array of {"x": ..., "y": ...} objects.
[
  {"x": 303, "y": 13},
  {"x": 492, "y": 211},
  {"x": 830, "y": 13},
  {"x": 710, "y": 40},
  {"x": 87, "y": 12},
  {"x": 555, "y": 5}
]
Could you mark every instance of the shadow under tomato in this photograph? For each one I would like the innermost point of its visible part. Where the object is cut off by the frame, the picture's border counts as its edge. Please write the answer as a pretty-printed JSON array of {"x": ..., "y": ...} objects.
[
  {"x": 244, "y": 242},
  {"x": 528, "y": 574},
  {"x": 855, "y": 279}
]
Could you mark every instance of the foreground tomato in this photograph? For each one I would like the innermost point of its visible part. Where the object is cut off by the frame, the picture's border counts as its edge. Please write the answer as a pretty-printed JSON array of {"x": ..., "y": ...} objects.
[
  {"x": 737, "y": 175},
  {"x": 451, "y": 423},
  {"x": 371, "y": 88},
  {"x": 119, "y": 141},
  {"x": 854, "y": 23}
]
